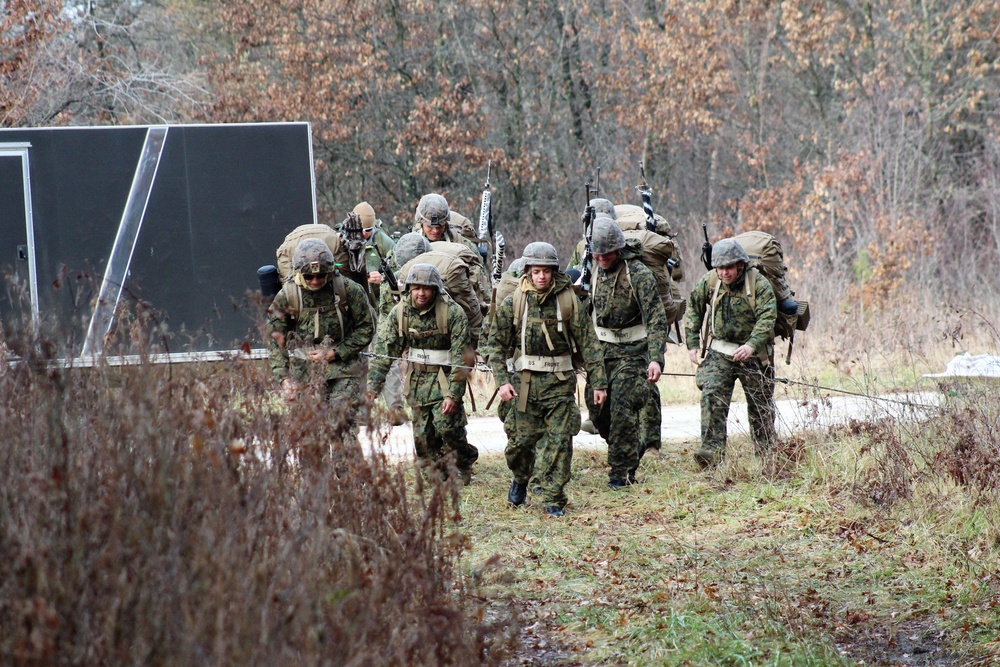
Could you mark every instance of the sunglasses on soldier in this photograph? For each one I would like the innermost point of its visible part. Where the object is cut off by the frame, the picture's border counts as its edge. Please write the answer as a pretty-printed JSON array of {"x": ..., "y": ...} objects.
[{"x": 313, "y": 276}]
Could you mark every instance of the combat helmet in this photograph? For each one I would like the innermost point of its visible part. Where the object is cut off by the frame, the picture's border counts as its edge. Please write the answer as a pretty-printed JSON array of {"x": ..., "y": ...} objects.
[
  {"x": 366, "y": 213},
  {"x": 410, "y": 245},
  {"x": 433, "y": 210},
  {"x": 728, "y": 252},
  {"x": 607, "y": 236},
  {"x": 603, "y": 208},
  {"x": 424, "y": 274},
  {"x": 540, "y": 253},
  {"x": 313, "y": 256}
]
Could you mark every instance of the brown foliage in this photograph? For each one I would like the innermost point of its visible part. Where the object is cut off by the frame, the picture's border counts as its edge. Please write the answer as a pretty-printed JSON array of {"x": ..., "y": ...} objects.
[{"x": 164, "y": 515}]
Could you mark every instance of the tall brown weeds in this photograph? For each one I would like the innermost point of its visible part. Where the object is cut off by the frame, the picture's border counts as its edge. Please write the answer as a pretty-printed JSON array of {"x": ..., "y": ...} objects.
[{"x": 162, "y": 515}]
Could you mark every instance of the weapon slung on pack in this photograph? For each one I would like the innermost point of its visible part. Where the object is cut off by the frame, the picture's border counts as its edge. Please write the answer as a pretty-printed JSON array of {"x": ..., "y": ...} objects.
[
  {"x": 646, "y": 193},
  {"x": 485, "y": 230},
  {"x": 706, "y": 248},
  {"x": 588, "y": 235},
  {"x": 499, "y": 250}
]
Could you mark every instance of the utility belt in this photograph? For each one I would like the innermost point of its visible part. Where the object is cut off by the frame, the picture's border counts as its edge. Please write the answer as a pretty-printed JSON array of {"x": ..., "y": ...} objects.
[
  {"x": 540, "y": 364},
  {"x": 426, "y": 358},
  {"x": 627, "y": 335},
  {"x": 427, "y": 361},
  {"x": 724, "y": 347},
  {"x": 526, "y": 364}
]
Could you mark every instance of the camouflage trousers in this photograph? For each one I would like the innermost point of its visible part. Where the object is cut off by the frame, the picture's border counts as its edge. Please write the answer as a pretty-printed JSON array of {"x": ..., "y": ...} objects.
[
  {"x": 342, "y": 395},
  {"x": 438, "y": 438},
  {"x": 716, "y": 377},
  {"x": 392, "y": 391},
  {"x": 650, "y": 420},
  {"x": 540, "y": 440},
  {"x": 619, "y": 420}
]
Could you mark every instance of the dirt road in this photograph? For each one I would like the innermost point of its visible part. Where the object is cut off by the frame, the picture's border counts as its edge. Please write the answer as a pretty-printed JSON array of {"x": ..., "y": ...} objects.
[{"x": 683, "y": 422}]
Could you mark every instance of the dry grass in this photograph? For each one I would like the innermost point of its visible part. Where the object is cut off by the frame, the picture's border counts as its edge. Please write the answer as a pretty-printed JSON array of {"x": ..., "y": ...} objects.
[{"x": 170, "y": 516}]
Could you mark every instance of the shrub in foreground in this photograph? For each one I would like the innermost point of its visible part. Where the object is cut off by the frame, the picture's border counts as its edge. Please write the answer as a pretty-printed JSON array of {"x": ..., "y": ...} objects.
[{"x": 167, "y": 515}]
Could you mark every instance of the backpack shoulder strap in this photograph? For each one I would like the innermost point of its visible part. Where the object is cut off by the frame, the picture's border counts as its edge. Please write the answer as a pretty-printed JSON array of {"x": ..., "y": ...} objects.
[
  {"x": 293, "y": 293},
  {"x": 441, "y": 313},
  {"x": 341, "y": 291},
  {"x": 520, "y": 303}
]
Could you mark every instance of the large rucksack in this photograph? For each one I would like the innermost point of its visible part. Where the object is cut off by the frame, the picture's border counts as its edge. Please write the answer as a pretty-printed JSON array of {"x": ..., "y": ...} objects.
[
  {"x": 473, "y": 260},
  {"x": 325, "y": 233},
  {"x": 768, "y": 258},
  {"x": 656, "y": 252},
  {"x": 631, "y": 217},
  {"x": 457, "y": 276}
]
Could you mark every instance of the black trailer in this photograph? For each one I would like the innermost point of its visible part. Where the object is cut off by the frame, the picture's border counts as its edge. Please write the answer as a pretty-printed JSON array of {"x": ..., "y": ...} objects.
[{"x": 176, "y": 218}]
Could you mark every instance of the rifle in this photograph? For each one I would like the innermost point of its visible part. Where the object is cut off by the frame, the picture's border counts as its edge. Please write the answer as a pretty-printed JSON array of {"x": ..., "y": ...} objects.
[
  {"x": 706, "y": 248},
  {"x": 588, "y": 235},
  {"x": 646, "y": 193},
  {"x": 499, "y": 248},
  {"x": 386, "y": 268},
  {"x": 486, "y": 215}
]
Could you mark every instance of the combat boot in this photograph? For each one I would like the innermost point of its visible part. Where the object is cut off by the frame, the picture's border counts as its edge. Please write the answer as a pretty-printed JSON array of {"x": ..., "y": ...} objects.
[
  {"x": 518, "y": 492},
  {"x": 554, "y": 510},
  {"x": 707, "y": 458},
  {"x": 617, "y": 483},
  {"x": 465, "y": 476}
]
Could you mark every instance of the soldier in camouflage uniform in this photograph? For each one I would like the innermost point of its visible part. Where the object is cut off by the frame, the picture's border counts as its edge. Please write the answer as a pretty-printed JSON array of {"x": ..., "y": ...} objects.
[
  {"x": 603, "y": 208},
  {"x": 378, "y": 244},
  {"x": 433, "y": 331},
  {"x": 318, "y": 324},
  {"x": 730, "y": 322},
  {"x": 433, "y": 218},
  {"x": 632, "y": 326},
  {"x": 538, "y": 328},
  {"x": 408, "y": 247}
]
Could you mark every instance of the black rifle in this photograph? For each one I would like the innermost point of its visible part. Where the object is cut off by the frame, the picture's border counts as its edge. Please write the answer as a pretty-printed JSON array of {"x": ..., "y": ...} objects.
[
  {"x": 486, "y": 215},
  {"x": 646, "y": 193},
  {"x": 385, "y": 267},
  {"x": 588, "y": 236},
  {"x": 706, "y": 248}
]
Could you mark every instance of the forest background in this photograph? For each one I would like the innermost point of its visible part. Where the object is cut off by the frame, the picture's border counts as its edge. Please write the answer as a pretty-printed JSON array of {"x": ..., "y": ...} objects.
[{"x": 863, "y": 134}]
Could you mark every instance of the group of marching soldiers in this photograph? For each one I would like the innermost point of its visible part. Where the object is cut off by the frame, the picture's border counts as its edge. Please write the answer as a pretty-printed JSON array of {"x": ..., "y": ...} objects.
[{"x": 430, "y": 294}]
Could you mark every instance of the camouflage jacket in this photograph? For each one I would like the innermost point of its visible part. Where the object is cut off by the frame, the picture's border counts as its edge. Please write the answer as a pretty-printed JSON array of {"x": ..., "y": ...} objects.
[
  {"x": 319, "y": 321},
  {"x": 735, "y": 320},
  {"x": 505, "y": 339},
  {"x": 627, "y": 296},
  {"x": 421, "y": 331}
]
